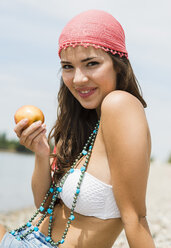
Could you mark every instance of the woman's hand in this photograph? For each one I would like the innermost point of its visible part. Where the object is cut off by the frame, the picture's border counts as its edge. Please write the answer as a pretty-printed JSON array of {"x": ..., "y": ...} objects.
[{"x": 33, "y": 137}]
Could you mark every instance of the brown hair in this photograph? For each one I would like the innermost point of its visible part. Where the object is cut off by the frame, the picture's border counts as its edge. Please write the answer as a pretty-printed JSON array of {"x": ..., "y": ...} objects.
[
  {"x": 75, "y": 123},
  {"x": 126, "y": 79}
]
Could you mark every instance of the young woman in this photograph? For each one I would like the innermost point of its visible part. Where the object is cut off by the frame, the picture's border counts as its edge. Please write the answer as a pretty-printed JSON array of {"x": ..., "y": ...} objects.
[{"x": 101, "y": 159}]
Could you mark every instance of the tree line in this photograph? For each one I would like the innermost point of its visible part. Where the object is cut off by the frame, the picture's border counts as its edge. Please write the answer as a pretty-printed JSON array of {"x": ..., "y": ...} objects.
[{"x": 14, "y": 145}]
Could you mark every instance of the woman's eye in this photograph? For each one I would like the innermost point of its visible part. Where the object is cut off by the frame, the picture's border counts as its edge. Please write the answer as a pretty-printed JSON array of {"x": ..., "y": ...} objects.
[
  {"x": 66, "y": 67},
  {"x": 92, "y": 63}
]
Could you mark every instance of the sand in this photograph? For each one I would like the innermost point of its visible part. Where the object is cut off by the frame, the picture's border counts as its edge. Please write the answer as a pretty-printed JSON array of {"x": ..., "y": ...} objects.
[{"x": 158, "y": 209}]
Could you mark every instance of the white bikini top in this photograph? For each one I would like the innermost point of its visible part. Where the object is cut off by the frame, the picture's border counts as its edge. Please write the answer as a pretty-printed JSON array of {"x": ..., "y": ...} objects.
[{"x": 96, "y": 198}]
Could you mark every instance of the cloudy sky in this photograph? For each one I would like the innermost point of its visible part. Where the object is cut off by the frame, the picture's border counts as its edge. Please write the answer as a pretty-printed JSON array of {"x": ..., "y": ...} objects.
[{"x": 29, "y": 65}]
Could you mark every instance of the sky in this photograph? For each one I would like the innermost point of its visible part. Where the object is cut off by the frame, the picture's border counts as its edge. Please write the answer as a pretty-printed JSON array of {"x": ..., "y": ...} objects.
[{"x": 29, "y": 64}]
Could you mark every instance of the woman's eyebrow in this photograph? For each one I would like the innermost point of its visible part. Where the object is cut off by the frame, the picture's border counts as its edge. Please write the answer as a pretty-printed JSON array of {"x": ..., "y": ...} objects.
[
  {"x": 87, "y": 59},
  {"x": 83, "y": 60}
]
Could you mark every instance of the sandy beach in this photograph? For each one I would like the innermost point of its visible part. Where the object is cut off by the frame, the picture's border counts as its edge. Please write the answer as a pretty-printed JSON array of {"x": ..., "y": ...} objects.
[{"x": 158, "y": 209}]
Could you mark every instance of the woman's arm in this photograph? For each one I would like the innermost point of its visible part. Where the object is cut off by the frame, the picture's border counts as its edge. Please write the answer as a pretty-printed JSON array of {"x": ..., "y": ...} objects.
[
  {"x": 34, "y": 139},
  {"x": 124, "y": 128},
  {"x": 41, "y": 179}
]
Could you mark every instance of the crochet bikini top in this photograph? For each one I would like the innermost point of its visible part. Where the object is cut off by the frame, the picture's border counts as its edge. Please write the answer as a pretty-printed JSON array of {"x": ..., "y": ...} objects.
[{"x": 96, "y": 198}]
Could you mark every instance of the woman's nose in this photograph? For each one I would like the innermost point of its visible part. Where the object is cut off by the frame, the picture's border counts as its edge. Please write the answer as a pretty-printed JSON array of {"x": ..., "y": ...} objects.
[{"x": 79, "y": 77}]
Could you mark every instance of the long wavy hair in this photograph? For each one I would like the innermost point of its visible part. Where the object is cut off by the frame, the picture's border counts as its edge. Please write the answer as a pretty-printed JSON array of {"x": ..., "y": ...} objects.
[{"x": 75, "y": 123}]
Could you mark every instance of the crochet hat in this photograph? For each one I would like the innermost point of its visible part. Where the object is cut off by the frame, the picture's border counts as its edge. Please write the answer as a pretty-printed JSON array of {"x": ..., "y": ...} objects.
[{"x": 95, "y": 28}]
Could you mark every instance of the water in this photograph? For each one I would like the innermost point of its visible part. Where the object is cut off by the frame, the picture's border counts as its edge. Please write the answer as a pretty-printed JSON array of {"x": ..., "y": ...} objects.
[{"x": 15, "y": 181}]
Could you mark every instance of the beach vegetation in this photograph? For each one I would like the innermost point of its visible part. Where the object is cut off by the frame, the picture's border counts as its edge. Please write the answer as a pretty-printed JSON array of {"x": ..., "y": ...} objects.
[
  {"x": 169, "y": 159},
  {"x": 12, "y": 145}
]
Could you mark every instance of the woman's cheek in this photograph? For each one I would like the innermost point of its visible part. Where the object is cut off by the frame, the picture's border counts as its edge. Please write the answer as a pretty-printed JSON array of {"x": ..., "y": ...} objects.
[
  {"x": 65, "y": 80},
  {"x": 69, "y": 85}
]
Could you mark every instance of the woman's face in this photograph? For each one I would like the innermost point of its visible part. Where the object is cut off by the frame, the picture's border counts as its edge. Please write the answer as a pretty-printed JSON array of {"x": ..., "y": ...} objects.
[{"x": 89, "y": 75}]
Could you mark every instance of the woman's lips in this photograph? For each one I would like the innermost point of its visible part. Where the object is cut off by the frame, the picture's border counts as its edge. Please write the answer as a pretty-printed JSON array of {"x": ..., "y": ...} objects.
[{"x": 86, "y": 93}]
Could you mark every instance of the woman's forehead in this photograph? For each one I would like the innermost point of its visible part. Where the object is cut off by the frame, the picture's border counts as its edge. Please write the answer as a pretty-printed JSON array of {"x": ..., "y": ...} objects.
[{"x": 81, "y": 52}]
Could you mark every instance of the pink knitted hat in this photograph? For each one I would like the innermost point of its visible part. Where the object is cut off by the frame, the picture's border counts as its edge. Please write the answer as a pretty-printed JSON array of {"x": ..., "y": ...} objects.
[{"x": 95, "y": 28}]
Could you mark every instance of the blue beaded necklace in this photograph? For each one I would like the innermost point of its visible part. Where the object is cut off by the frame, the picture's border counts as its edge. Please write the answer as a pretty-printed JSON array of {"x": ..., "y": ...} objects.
[{"x": 55, "y": 189}]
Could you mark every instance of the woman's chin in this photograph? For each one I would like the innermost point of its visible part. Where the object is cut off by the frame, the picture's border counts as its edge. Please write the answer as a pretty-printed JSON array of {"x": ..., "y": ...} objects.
[{"x": 89, "y": 106}]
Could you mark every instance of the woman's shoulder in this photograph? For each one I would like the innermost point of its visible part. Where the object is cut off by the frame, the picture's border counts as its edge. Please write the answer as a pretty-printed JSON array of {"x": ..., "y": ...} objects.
[
  {"x": 123, "y": 118},
  {"x": 120, "y": 99},
  {"x": 121, "y": 106}
]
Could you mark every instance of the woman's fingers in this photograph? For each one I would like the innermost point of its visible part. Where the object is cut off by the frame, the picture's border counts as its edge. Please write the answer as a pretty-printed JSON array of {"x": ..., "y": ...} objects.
[
  {"x": 20, "y": 126},
  {"x": 30, "y": 130},
  {"x": 32, "y": 137},
  {"x": 38, "y": 138}
]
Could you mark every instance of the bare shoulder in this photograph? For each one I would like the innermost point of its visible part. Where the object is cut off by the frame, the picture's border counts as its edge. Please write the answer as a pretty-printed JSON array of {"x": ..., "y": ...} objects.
[
  {"x": 123, "y": 117},
  {"x": 120, "y": 99},
  {"x": 122, "y": 106}
]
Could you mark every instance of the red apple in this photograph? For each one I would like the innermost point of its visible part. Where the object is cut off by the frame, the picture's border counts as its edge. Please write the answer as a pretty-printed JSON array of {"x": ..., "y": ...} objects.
[{"x": 30, "y": 112}]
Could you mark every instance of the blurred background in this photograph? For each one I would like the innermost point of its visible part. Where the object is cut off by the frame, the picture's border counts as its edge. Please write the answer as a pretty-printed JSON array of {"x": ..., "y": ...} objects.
[{"x": 29, "y": 74}]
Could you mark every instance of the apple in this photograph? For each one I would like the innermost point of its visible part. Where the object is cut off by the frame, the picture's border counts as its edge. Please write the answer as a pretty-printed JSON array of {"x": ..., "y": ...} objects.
[{"x": 30, "y": 112}]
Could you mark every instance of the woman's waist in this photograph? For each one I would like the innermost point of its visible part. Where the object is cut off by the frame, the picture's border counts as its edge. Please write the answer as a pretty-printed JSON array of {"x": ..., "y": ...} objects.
[{"x": 84, "y": 231}]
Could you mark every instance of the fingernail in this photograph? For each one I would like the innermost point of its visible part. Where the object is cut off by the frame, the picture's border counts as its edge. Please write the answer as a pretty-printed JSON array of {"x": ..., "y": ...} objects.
[
  {"x": 25, "y": 120},
  {"x": 43, "y": 125},
  {"x": 38, "y": 122}
]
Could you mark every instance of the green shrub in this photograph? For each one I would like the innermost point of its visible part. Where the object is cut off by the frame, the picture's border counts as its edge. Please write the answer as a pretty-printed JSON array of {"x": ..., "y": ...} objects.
[{"x": 169, "y": 159}]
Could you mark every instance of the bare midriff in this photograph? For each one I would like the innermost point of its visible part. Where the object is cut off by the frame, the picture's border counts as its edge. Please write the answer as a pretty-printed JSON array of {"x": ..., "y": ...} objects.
[{"x": 84, "y": 231}]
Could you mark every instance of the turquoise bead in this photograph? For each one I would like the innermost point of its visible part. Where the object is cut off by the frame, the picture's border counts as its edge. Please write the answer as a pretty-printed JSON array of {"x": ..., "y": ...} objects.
[
  {"x": 59, "y": 189},
  {"x": 12, "y": 232},
  {"x": 72, "y": 217},
  {"x": 50, "y": 217},
  {"x": 71, "y": 170},
  {"x": 82, "y": 168},
  {"x": 77, "y": 191},
  {"x": 51, "y": 190},
  {"x": 62, "y": 241},
  {"x": 95, "y": 131},
  {"x": 48, "y": 239},
  {"x": 49, "y": 210},
  {"x": 41, "y": 209},
  {"x": 90, "y": 147},
  {"x": 84, "y": 152},
  {"x": 18, "y": 238},
  {"x": 36, "y": 229},
  {"x": 28, "y": 224}
]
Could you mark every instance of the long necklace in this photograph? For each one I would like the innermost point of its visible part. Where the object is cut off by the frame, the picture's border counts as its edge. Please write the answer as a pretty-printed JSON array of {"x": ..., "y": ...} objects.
[{"x": 55, "y": 189}]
